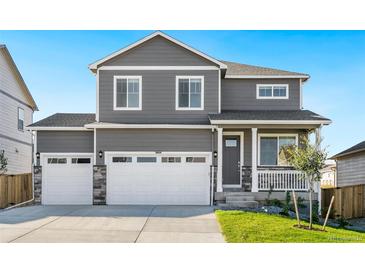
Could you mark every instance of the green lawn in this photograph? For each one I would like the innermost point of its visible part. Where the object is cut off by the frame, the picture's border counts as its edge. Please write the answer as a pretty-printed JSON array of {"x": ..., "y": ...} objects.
[{"x": 251, "y": 227}]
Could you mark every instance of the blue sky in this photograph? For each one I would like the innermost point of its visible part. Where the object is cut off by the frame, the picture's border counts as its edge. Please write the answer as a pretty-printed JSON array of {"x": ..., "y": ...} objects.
[{"x": 54, "y": 66}]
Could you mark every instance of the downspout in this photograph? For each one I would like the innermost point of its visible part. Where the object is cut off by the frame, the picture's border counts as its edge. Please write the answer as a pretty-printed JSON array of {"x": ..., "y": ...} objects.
[{"x": 33, "y": 162}]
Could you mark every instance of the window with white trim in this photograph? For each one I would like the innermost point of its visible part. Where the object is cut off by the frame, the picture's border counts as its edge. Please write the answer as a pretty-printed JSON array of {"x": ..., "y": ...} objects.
[
  {"x": 21, "y": 119},
  {"x": 272, "y": 147},
  {"x": 270, "y": 91},
  {"x": 189, "y": 92},
  {"x": 127, "y": 92}
]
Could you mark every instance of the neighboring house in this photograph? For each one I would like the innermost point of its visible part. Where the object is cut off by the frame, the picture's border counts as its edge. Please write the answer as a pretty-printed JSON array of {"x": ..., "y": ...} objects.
[
  {"x": 174, "y": 126},
  {"x": 328, "y": 179},
  {"x": 16, "y": 111},
  {"x": 350, "y": 163}
]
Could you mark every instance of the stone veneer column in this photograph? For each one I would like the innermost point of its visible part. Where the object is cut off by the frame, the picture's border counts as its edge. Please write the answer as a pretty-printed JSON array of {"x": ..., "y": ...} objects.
[
  {"x": 99, "y": 185},
  {"x": 37, "y": 181}
]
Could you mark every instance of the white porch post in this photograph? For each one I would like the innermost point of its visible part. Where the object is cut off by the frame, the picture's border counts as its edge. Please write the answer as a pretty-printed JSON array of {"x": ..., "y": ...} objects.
[
  {"x": 255, "y": 187},
  {"x": 318, "y": 145},
  {"x": 220, "y": 161}
]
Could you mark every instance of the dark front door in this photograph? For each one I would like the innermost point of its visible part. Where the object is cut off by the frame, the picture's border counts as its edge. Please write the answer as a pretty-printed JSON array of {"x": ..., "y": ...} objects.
[{"x": 231, "y": 160}]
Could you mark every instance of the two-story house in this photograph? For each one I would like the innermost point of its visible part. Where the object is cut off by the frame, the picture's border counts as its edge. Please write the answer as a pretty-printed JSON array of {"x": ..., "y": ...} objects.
[
  {"x": 16, "y": 111},
  {"x": 174, "y": 126}
]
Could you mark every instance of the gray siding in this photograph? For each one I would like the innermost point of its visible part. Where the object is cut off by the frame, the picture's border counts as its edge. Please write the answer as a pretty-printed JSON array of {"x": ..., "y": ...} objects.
[
  {"x": 158, "y": 98},
  {"x": 158, "y": 52},
  {"x": 153, "y": 140},
  {"x": 65, "y": 141},
  {"x": 240, "y": 94},
  {"x": 351, "y": 170}
]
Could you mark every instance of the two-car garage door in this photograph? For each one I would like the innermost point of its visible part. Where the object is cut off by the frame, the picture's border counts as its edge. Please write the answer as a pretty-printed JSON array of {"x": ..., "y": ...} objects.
[{"x": 132, "y": 178}]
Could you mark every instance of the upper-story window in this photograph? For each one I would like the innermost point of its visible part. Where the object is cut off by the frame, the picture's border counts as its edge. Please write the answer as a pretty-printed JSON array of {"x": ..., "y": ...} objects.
[
  {"x": 189, "y": 92},
  {"x": 127, "y": 92},
  {"x": 272, "y": 91},
  {"x": 20, "y": 119}
]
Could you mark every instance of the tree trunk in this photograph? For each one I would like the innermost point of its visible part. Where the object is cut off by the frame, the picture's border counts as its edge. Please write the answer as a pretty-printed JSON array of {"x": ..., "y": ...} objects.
[{"x": 310, "y": 206}]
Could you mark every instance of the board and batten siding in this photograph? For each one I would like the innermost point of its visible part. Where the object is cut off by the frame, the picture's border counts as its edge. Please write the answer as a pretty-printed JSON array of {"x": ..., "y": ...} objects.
[
  {"x": 17, "y": 144},
  {"x": 240, "y": 94},
  {"x": 158, "y": 52},
  {"x": 157, "y": 140},
  {"x": 351, "y": 170},
  {"x": 65, "y": 141},
  {"x": 158, "y": 98}
]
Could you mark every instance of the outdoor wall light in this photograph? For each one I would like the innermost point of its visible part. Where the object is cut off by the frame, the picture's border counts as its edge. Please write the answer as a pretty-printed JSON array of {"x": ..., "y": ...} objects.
[
  {"x": 215, "y": 154},
  {"x": 37, "y": 155},
  {"x": 100, "y": 154}
]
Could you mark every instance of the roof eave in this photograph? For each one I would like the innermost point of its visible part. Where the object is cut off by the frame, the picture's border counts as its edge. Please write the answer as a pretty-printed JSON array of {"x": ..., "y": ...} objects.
[
  {"x": 270, "y": 122},
  {"x": 304, "y": 77},
  {"x": 339, "y": 155}
]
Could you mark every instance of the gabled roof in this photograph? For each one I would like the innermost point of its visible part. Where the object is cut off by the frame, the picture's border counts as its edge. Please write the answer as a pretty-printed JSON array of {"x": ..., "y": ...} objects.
[
  {"x": 237, "y": 70},
  {"x": 268, "y": 117},
  {"x": 354, "y": 149},
  {"x": 65, "y": 120},
  {"x": 95, "y": 65},
  {"x": 19, "y": 77}
]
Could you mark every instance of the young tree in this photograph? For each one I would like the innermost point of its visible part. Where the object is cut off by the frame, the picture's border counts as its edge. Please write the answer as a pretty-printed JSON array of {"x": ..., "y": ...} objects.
[
  {"x": 3, "y": 162},
  {"x": 310, "y": 160}
]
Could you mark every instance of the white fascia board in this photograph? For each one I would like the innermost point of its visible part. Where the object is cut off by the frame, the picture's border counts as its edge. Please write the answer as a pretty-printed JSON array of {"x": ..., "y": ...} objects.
[
  {"x": 160, "y": 126},
  {"x": 270, "y": 122},
  {"x": 94, "y": 65},
  {"x": 58, "y": 129},
  {"x": 158, "y": 68},
  {"x": 265, "y": 76}
]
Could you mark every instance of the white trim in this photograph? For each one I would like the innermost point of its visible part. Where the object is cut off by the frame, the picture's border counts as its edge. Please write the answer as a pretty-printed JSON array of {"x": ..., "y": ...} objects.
[
  {"x": 272, "y": 97},
  {"x": 274, "y": 135},
  {"x": 219, "y": 92},
  {"x": 158, "y": 68},
  {"x": 160, "y": 153},
  {"x": 94, "y": 65},
  {"x": 165, "y": 126},
  {"x": 178, "y": 77},
  {"x": 59, "y": 128},
  {"x": 35, "y": 147},
  {"x": 127, "y": 77},
  {"x": 242, "y": 158},
  {"x": 271, "y": 122},
  {"x": 94, "y": 146},
  {"x": 62, "y": 154},
  {"x": 220, "y": 160},
  {"x": 97, "y": 96},
  {"x": 265, "y": 76},
  {"x": 254, "y": 174}
]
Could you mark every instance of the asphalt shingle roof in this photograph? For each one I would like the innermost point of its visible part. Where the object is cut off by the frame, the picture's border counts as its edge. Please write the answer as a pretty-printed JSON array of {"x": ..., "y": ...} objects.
[
  {"x": 66, "y": 120},
  {"x": 284, "y": 115},
  {"x": 356, "y": 148},
  {"x": 235, "y": 69}
]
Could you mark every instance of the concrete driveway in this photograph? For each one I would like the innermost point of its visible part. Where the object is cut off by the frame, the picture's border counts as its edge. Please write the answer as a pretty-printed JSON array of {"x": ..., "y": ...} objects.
[{"x": 121, "y": 224}]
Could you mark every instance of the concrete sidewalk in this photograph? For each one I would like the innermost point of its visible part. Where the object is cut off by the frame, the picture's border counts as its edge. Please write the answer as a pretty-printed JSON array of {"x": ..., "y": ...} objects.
[{"x": 106, "y": 224}]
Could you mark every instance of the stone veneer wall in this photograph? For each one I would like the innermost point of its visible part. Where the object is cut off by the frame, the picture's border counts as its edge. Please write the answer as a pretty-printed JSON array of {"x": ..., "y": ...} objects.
[
  {"x": 246, "y": 178},
  {"x": 99, "y": 185},
  {"x": 37, "y": 173}
]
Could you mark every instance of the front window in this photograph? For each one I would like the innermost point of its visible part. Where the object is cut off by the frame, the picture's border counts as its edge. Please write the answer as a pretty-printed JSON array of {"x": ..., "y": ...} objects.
[
  {"x": 190, "y": 92},
  {"x": 272, "y": 91},
  {"x": 127, "y": 92},
  {"x": 272, "y": 149},
  {"x": 20, "y": 119}
]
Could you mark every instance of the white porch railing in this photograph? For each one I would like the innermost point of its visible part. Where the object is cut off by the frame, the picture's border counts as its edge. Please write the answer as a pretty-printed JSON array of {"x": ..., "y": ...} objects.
[{"x": 282, "y": 180}]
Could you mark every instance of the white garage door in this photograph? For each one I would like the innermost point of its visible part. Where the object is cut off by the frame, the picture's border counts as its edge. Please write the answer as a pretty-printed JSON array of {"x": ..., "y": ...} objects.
[
  {"x": 67, "y": 179},
  {"x": 168, "y": 179}
]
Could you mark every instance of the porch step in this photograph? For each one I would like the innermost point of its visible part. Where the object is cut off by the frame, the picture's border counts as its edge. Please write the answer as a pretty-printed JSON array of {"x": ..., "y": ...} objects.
[
  {"x": 239, "y": 204},
  {"x": 237, "y": 198}
]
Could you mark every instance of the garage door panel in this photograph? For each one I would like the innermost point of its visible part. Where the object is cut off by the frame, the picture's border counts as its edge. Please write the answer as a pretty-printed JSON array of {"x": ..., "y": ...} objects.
[
  {"x": 66, "y": 183},
  {"x": 158, "y": 183}
]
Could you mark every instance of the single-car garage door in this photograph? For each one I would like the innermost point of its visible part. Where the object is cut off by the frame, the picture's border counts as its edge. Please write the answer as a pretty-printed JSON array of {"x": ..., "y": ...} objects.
[
  {"x": 67, "y": 179},
  {"x": 160, "y": 179}
]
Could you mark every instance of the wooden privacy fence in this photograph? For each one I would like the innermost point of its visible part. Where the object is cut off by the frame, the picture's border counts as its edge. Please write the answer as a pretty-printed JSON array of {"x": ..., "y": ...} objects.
[
  {"x": 15, "y": 189},
  {"x": 349, "y": 201}
]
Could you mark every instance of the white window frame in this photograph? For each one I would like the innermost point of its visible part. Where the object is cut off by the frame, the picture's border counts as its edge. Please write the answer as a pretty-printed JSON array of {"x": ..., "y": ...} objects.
[
  {"x": 177, "y": 92},
  {"x": 21, "y": 109},
  {"x": 116, "y": 77},
  {"x": 272, "y": 97},
  {"x": 277, "y": 135}
]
